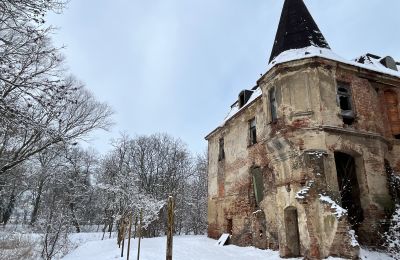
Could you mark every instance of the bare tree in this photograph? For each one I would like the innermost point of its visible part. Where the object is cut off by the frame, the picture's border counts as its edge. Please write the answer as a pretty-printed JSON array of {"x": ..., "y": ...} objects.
[
  {"x": 40, "y": 104},
  {"x": 196, "y": 210}
]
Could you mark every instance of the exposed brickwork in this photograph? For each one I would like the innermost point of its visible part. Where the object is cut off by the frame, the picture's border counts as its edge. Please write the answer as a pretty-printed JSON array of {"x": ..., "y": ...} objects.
[
  {"x": 313, "y": 252},
  {"x": 315, "y": 162},
  {"x": 298, "y": 151},
  {"x": 300, "y": 123},
  {"x": 342, "y": 246},
  {"x": 384, "y": 127},
  {"x": 397, "y": 167},
  {"x": 365, "y": 101},
  {"x": 258, "y": 228},
  {"x": 369, "y": 230},
  {"x": 221, "y": 179},
  {"x": 213, "y": 231}
]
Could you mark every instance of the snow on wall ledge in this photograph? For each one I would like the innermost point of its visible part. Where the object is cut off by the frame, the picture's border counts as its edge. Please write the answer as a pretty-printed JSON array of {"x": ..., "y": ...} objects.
[
  {"x": 302, "y": 194},
  {"x": 338, "y": 210}
]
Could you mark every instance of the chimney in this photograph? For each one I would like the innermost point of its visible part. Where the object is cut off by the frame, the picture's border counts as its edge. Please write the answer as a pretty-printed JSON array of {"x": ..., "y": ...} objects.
[{"x": 389, "y": 63}]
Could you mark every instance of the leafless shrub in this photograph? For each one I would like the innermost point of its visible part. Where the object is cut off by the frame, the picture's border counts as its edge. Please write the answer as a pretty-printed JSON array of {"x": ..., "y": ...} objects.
[{"x": 17, "y": 246}]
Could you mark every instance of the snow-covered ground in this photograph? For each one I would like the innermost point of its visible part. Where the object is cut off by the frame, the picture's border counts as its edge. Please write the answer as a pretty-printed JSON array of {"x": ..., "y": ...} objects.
[{"x": 185, "y": 248}]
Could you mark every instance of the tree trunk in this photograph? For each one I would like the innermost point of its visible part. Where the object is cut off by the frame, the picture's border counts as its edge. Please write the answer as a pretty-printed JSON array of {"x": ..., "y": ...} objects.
[
  {"x": 37, "y": 203},
  {"x": 46, "y": 242},
  {"x": 2, "y": 202},
  {"x": 110, "y": 226},
  {"x": 9, "y": 209},
  {"x": 74, "y": 220},
  {"x": 170, "y": 229}
]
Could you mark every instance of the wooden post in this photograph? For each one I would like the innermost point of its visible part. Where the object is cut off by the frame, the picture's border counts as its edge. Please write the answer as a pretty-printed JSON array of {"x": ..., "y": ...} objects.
[
  {"x": 110, "y": 227},
  {"x": 140, "y": 232},
  {"x": 129, "y": 236},
  {"x": 170, "y": 231},
  {"x": 136, "y": 221},
  {"x": 123, "y": 236}
]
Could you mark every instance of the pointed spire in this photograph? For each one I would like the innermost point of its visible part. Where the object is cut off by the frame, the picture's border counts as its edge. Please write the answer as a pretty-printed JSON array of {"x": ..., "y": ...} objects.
[{"x": 297, "y": 29}]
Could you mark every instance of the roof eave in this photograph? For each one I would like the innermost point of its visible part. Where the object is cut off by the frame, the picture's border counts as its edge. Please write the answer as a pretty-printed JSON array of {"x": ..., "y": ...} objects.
[
  {"x": 272, "y": 71},
  {"x": 231, "y": 118}
]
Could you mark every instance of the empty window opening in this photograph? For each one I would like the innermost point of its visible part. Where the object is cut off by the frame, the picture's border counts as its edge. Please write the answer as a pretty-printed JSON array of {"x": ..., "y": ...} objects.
[
  {"x": 292, "y": 232},
  {"x": 349, "y": 188},
  {"x": 221, "y": 154},
  {"x": 344, "y": 103},
  {"x": 344, "y": 100},
  {"x": 273, "y": 104},
  {"x": 392, "y": 110},
  {"x": 241, "y": 100},
  {"x": 258, "y": 184},
  {"x": 252, "y": 131},
  {"x": 244, "y": 96},
  {"x": 348, "y": 121}
]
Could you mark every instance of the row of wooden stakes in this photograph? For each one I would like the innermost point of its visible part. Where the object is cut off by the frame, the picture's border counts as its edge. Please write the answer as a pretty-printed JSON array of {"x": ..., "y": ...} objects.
[{"x": 125, "y": 223}]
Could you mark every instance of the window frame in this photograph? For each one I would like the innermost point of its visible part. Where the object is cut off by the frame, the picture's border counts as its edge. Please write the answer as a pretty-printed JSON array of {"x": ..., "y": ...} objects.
[
  {"x": 252, "y": 131},
  {"x": 348, "y": 115},
  {"x": 258, "y": 184},
  {"x": 221, "y": 149},
  {"x": 273, "y": 105}
]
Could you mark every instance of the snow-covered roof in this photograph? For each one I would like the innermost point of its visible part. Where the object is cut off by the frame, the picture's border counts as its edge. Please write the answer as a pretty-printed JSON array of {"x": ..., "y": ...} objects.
[
  {"x": 235, "y": 106},
  {"x": 297, "y": 41},
  {"x": 374, "y": 63},
  {"x": 371, "y": 62},
  {"x": 367, "y": 61}
]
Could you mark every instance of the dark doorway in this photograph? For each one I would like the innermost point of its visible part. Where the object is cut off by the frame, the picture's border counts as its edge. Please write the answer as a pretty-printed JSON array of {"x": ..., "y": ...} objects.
[
  {"x": 349, "y": 188},
  {"x": 292, "y": 232},
  {"x": 229, "y": 226}
]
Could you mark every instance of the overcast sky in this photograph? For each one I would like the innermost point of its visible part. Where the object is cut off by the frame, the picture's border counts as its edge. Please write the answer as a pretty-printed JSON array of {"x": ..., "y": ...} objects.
[{"x": 176, "y": 66}]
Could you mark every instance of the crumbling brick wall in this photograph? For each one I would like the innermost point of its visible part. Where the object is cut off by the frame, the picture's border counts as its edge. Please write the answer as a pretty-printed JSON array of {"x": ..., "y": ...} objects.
[{"x": 298, "y": 151}]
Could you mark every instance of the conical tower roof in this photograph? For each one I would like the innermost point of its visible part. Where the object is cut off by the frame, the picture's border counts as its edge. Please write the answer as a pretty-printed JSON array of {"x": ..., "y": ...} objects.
[{"x": 297, "y": 29}]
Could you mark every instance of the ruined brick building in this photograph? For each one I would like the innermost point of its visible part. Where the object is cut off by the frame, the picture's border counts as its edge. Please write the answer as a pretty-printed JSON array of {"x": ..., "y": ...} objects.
[{"x": 299, "y": 163}]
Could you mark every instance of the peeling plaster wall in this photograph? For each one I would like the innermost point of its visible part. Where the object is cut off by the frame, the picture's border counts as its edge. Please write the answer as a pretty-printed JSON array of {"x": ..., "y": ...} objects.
[
  {"x": 237, "y": 201},
  {"x": 297, "y": 151}
]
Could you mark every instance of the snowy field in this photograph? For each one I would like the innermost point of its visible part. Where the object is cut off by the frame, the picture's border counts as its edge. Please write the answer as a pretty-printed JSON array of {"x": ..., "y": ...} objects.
[{"x": 185, "y": 248}]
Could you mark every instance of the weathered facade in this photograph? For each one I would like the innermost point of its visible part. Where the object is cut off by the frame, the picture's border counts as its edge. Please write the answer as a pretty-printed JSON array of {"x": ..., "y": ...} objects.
[{"x": 300, "y": 164}]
